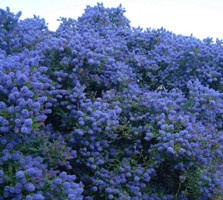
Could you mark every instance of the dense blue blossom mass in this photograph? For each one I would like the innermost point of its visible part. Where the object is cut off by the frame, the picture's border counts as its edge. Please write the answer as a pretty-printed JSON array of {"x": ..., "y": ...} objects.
[{"x": 100, "y": 110}]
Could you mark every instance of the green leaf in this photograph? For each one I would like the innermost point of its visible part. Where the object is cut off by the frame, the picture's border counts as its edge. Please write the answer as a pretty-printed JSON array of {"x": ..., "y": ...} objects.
[{"x": 33, "y": 149}]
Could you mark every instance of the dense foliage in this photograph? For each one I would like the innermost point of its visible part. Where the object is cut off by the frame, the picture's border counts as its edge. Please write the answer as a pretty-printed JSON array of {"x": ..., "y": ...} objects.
[{"x": 101, "y": 110}]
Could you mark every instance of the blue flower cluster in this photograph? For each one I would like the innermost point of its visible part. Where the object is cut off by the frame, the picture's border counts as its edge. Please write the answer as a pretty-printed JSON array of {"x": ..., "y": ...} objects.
[{"x": 101, "y": 110}]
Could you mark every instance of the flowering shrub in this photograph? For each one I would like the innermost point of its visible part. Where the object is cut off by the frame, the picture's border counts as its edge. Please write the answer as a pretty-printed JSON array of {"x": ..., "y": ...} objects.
[{"x": 101, "y": 110}]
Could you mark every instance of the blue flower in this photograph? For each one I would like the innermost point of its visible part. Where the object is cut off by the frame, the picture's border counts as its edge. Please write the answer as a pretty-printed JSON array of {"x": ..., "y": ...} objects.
[
  {"x": 29, "y": 187},
  {"x": 20, "y": 175},
  {"x": 28, "y": 122},
  {"x": 25, "y": 130},
  {"x": 1, "y": 173}
]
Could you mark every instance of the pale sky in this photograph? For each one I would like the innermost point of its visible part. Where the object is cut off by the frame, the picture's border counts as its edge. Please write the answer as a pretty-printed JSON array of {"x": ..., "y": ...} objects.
[{"x": 202, "y": 18}]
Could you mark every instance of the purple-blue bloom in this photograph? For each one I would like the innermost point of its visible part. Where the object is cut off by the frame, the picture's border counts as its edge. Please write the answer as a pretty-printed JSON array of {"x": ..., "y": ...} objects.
[
  {"x": 29, "y": 187},
  {"x": 20, "y": 175},
  {"x": 102, "y": 110}
]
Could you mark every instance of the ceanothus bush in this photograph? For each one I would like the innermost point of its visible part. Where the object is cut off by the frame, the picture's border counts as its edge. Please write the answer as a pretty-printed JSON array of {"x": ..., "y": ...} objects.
[{"x": 102, "y": 110}]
